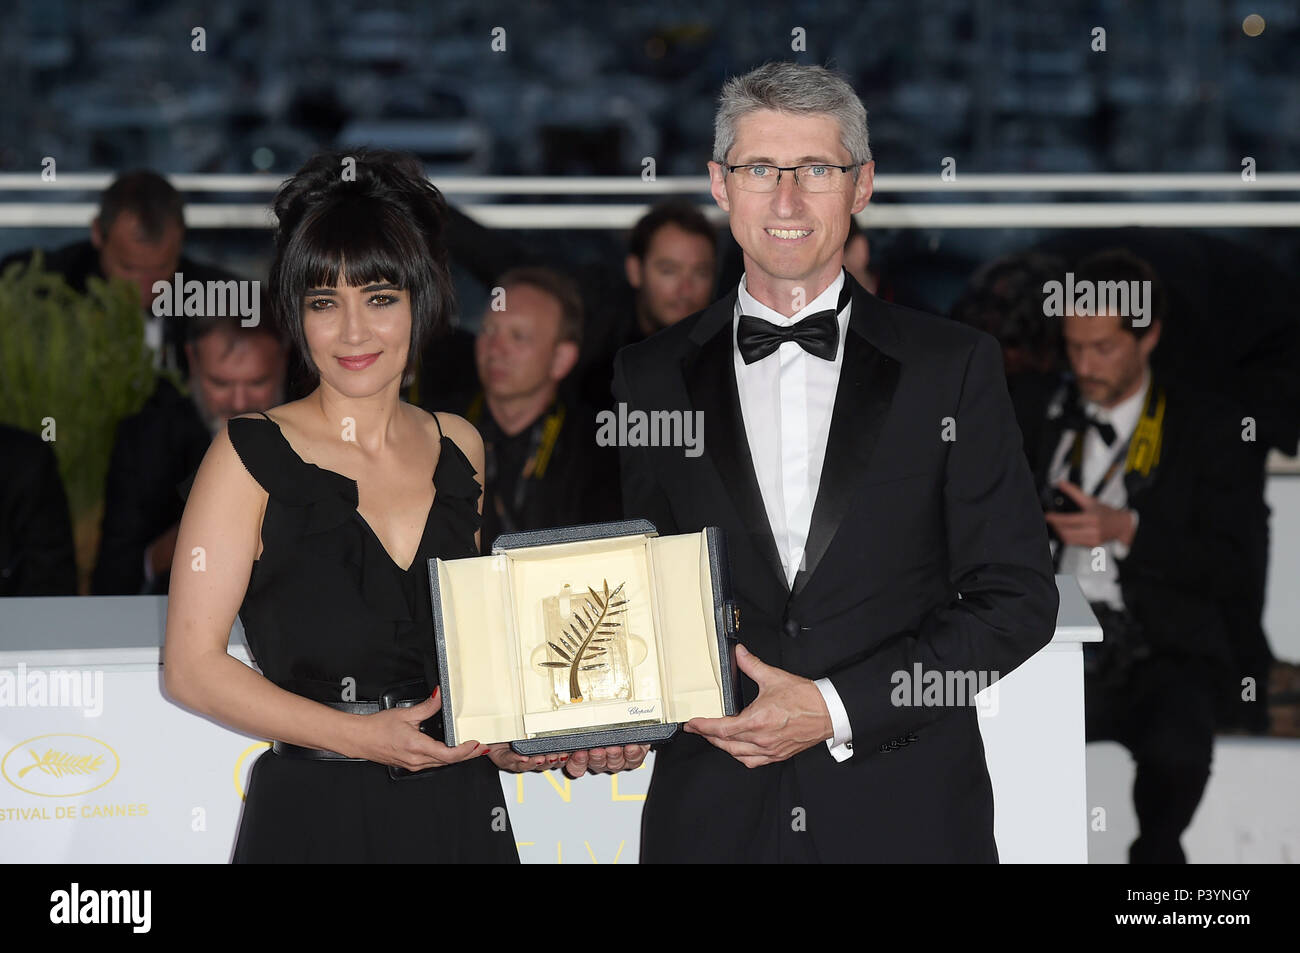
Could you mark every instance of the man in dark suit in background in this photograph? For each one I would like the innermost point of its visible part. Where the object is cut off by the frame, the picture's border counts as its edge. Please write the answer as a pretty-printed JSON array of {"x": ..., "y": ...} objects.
[
  {"x": 666, "y": 274},
  {"x": 137, "y": 236},
  {"x": 866, "y": 466},
  {"x": 233, "y": 370},
  {"x": 1236, "y": 338},
  {"x": 542, "y": 465},
  {"x": 669, "y": 268},
  {"x": 37, "y": 555},
  {"x": 1158, "y": 508}
]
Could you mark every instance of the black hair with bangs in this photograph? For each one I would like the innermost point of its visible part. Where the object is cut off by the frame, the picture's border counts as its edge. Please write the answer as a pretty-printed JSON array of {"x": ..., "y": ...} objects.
[{"x": 372, "y": 215}]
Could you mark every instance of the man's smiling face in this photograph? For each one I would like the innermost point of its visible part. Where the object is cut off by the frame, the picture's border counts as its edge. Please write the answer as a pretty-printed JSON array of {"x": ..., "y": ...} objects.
[{"x": 791, "y": 235}]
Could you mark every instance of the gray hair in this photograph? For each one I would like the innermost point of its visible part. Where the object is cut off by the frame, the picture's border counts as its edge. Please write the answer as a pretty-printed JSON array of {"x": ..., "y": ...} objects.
[{"x": 792, "y": 88}]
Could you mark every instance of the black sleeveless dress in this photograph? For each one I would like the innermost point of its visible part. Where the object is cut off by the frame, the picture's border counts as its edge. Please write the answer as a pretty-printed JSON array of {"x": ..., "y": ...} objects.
[{"x": 325, "y": 602}]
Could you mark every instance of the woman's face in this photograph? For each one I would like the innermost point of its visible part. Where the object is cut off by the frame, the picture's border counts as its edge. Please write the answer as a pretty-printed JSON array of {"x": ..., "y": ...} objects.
[{"x": 358, "y": 336}]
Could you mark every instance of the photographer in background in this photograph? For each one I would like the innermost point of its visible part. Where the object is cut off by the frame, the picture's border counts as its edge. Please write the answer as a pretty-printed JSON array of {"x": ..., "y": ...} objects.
[{"x": 1151, "y": 497}]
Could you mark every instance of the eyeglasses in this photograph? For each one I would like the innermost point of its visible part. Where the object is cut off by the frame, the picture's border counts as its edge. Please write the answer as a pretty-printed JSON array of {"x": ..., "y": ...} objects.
[{"x": 810, "y": 178}]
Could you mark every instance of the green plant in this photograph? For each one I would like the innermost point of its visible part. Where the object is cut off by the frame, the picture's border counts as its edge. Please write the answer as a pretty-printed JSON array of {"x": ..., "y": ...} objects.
[{"x": 71, "y": 367}]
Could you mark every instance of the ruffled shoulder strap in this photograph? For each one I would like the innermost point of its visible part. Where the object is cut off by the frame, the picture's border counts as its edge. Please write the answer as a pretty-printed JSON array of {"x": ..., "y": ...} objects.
[
  {"x": 458, "y": 493},
  {"x": 455, "y": 476},
  {"x": 256, "y": 442},
  {"x": 264, "y": 453},
  {"x": 271, "y": 460}
]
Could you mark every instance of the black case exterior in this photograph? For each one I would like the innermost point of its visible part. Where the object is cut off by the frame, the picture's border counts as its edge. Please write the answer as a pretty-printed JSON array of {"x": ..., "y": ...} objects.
[{"x": 726, "y": 618}]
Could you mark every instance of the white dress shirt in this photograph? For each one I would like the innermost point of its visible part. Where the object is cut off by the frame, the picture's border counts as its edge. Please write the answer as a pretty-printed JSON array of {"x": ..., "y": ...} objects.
[
  {"x": 153, "y": 337},
  {"x": 786, "y": 400},
  {"x": 1077, "y": 561}
]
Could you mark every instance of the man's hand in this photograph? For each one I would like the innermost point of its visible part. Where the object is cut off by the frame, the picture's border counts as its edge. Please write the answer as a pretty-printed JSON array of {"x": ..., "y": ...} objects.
[
  {"x": 787, "y": 717},
  {"x": 574, "y": 763},
  {"x": 1096, "y": 525},
  {"x": 504, "y": 757},
  {"x": 607, "y": 760}
]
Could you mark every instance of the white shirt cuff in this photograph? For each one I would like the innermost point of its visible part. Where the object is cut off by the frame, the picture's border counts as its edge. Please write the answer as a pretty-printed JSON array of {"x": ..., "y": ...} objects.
[
  {"x": 841, "y": 741},
  {"x": 1121, "y": 551}
]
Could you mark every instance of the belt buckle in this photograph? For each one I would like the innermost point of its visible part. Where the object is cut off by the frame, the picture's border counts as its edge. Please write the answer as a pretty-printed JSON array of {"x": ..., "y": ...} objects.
[{"x": 405, "y": 695}]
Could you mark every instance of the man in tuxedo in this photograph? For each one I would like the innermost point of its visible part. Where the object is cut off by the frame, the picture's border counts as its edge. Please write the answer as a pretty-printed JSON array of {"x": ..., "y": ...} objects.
[
  {"x": 1154, "y": 502},
  {"x": 865, "y": 464},
  {"x": 1256, "y": 368}
]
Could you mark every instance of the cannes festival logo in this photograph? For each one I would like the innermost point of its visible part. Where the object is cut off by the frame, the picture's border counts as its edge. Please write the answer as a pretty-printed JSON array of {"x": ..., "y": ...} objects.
[{"x": 59, "y": 765}]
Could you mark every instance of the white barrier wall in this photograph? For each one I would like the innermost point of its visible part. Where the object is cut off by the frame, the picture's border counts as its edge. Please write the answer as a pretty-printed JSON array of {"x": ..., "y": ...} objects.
[
  {"x": 98, "y": 766},
  {"x": 1282, "y": 605},
  {"x": 1249, "y": 813}
]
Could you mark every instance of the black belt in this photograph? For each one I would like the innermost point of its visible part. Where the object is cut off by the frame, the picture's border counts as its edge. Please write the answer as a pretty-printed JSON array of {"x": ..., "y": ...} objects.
[{"x": 401, "y": 695}]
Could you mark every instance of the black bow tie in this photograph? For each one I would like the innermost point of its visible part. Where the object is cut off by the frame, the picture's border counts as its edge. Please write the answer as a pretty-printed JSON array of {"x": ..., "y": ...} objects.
[
  {"x": 1080, "y": 421},
  {"x": 818, "y": 334}
]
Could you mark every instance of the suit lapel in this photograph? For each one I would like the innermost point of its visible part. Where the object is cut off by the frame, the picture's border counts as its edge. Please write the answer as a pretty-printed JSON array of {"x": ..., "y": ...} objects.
[
  {"x": 1135, "y": 485},
  {"x": 868, "y": 378},
  {"x": 711, "y": 382},
  {"x": 1049, "y": 436}
]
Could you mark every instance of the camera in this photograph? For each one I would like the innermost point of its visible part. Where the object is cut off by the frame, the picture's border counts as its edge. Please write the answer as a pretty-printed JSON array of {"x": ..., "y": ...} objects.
[{"x": 1056, "y": 500}]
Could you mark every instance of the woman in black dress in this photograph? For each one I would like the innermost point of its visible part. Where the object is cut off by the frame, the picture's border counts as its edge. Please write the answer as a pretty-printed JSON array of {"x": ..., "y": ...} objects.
[{"x": 315, "y": 522}]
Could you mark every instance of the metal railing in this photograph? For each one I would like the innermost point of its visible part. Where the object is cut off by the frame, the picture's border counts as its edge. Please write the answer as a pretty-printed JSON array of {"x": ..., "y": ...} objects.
[
  {"x": 1238, "y": 203},
  {"x": 1241, "y": 203}
]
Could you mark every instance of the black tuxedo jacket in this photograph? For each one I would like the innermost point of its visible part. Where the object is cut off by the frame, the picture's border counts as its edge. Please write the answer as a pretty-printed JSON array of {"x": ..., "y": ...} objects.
[
  {"x": 579, "y": 484},
  {"x": 921, "y": 550},
  {"x": 37, "y": 553},
  {"x": 155, "y": 451},
  {"x": 1201, "y": 520}
]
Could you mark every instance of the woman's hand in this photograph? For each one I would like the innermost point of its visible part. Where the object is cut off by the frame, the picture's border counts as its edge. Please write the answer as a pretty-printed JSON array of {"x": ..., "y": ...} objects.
[{"x": 393, "y": 737}]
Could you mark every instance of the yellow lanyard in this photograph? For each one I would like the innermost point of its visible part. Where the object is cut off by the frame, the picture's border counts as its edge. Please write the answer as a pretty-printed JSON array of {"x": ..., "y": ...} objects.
[
  {"x": 1143, "y": 445},
  {"x": 544, "y": 437}
]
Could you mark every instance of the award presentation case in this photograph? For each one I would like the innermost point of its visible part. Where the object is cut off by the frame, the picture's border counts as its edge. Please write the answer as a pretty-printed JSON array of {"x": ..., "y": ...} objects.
[{"x": 585, "y": 637}]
